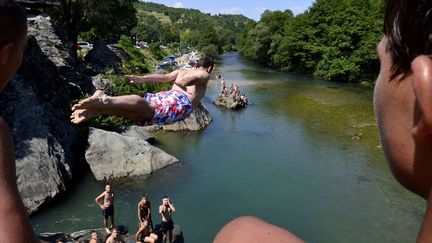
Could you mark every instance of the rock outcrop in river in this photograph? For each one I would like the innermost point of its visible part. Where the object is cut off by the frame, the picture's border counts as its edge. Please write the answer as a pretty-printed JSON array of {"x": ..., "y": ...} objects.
[
  {"x": 227, "y": 102},
  {"x": 112, "y": 155},
  {"x": 198, "y": 120}
]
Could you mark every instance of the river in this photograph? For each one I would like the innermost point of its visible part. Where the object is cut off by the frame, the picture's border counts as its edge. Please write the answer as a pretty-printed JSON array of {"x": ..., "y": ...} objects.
[{"x": 305, "y": 156}]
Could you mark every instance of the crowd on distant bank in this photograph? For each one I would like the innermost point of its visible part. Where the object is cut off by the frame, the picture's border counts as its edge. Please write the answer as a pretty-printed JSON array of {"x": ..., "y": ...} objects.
[
  {"x": 233, "y": 92},
  {"x": 146, "y": 232}
]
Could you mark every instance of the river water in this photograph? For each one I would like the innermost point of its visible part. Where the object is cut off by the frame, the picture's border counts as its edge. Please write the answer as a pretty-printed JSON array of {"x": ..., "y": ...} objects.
[{"x": 305, "y": 156}]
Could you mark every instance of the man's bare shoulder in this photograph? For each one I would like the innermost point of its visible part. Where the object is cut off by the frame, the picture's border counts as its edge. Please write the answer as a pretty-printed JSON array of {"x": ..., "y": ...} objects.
[{"x": 421, "y": 67}]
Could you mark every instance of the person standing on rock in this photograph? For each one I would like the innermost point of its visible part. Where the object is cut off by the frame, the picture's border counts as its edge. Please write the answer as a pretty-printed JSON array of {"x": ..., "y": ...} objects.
[
  {"x": 14, "y": 223},
  {"x": 162, "y": 108},
  {"x": 107, "y": 206},
  {"x": 144, "y": 211},
  {"x": 166, "y": 210}
]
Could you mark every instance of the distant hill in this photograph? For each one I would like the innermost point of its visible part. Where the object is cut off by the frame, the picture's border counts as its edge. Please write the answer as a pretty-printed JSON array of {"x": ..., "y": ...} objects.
[
  {"x": 236, "y": 21},
  {"x": 157, "y": 22}
]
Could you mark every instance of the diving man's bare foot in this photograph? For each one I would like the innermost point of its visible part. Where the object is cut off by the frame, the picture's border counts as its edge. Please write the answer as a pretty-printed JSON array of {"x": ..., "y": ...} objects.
[
  {"x": 96, "y": 101},
  {"x": 81, "y": 115}
]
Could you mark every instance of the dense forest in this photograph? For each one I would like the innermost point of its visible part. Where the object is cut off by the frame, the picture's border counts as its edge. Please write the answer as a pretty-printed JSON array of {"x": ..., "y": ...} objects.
[
  {"x": 153, "y": 23},
  {"x": 212, "y": 34},
  {"x": 334, "y": 39}
]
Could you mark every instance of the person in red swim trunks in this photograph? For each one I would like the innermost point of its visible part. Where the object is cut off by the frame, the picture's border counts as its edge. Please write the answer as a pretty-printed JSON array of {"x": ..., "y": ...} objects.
[{"x": 162, "y": 108}]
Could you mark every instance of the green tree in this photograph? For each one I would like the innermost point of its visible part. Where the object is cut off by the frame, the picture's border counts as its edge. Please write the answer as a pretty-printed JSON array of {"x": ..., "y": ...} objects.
[
  {"x": 207, "y": 37},
  {"x": 148, "y": 28},
  {"x": 210, "y": 50},
  {"x": 110, "y": 18},
  {"x": 334, "y": 39},
  {"x": 107, "y": 20},
  {"x": 193, "y": 28}
]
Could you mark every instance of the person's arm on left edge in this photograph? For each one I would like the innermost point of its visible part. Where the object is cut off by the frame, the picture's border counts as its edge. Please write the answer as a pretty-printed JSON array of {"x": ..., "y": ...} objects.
[{"x": 14, "y": 223}]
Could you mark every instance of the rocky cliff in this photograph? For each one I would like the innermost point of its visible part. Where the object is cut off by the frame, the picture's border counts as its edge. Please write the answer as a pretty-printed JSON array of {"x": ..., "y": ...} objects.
[{"x": 36, "y": 106}]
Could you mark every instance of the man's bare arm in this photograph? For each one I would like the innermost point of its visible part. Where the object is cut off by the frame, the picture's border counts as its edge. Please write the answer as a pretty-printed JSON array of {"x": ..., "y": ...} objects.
[
  {"x": 160, "y": 78},
  {"x": 14, "y": 223},
  {"x": 172, "y": 207},
  {"x": 138, "y": 212},
  {"x": 97, "y": 199}
]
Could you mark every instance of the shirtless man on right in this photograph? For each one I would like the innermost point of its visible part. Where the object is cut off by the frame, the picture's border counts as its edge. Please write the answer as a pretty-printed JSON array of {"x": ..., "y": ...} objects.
[
  {"x": 166, "y": 107},
  {"x": 107, "y": 206},
  {"x": 403, "y": 108},
  {"x": 166, "y": 210}
]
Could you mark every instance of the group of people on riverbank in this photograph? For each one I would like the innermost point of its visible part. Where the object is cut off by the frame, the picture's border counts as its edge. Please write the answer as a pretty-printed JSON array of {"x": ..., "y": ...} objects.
[
  {"x": 233, "y": 91},
  {"x": 146, "y": 232}
]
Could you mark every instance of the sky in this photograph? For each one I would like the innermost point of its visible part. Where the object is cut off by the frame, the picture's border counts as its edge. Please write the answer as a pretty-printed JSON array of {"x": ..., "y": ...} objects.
[{"x": 249, "y": 8}]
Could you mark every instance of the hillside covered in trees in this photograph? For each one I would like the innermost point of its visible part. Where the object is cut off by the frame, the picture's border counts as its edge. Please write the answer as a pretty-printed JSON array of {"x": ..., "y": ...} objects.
[
  {"x": 334, "y": 39},
  {"x": 212, "y": 34},
  {"x": 90, "y": 20}
]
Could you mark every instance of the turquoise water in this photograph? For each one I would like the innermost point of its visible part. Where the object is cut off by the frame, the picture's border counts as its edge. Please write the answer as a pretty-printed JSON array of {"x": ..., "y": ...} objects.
[{"x": 305, "y": 156}]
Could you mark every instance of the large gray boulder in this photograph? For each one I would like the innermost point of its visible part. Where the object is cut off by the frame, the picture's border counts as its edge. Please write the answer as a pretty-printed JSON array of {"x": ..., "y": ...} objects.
[
  {"x": 36, "y": 106},
  {"x": 112, "y": 155},
  {"x": 104, "y": 57},
  {"x": 198, "y": 120},
  {"x": 139, "y": 132}
]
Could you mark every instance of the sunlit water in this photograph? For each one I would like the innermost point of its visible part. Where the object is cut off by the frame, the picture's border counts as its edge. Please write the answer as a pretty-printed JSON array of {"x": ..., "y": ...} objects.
[{"x": 305, "y": 156}]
